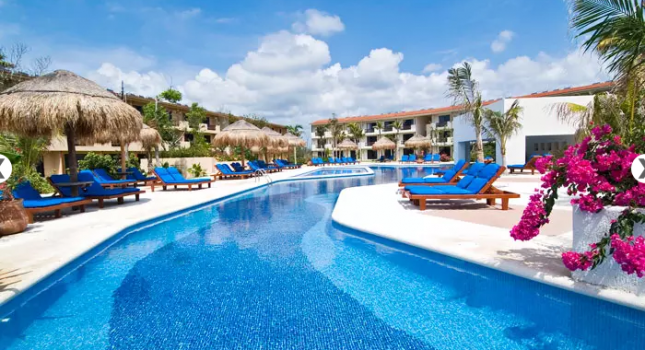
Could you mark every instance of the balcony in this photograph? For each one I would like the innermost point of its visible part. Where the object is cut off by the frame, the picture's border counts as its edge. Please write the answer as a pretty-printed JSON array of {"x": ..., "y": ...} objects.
[
  {"x": 443, "y": 141},
  {"x": 442, "y": 125}
]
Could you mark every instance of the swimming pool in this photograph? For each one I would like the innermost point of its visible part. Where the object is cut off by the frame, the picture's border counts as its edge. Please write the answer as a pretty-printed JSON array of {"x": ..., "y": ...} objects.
[
  {"x": 335, "y": 171},
  {"x": 267, "y": 269}
]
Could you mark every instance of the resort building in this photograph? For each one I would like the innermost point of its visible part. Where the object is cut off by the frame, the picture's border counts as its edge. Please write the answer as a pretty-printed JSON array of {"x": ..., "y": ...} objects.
[
  {"x": 451, "y": 135},
  {"x": 54, "y": 159}
]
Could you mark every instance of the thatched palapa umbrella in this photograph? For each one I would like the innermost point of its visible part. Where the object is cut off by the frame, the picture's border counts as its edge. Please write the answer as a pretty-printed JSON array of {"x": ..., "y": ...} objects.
[
  {"x": 65, "y": 103},
  {"x": 276, "y": 141},
  {"x": 295, "y": 142},
  {"x": 417, "y": 142},
  {"x": 150, "y": 138},
  {"x": 241, "y": 134},
  {"x": 347, "y": 145},
  {"x": 383, "y": 143}
]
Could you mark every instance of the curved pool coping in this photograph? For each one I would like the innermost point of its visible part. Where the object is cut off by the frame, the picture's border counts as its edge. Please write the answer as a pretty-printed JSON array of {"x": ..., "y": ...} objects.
[{"x": 47, "y": 280}]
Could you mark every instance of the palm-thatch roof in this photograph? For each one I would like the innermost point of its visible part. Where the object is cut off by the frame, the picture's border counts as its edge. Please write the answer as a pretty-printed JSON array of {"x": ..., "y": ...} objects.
[
  {"x": 383, "y": 143},
  {"x": 50, "y": 104},
  {"x": 418, "y": 141},
  {"x": 295, "y": 140},
  {"x": 149, "y": 137},
  {"x": 275, "y": 138},
  {"x": 347, "y": 144},
  {"x": 242, "y": 134}
]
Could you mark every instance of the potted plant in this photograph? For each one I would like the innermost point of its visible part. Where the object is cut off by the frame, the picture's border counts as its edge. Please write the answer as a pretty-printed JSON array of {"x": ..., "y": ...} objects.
[{"x": 609, "y": 210}]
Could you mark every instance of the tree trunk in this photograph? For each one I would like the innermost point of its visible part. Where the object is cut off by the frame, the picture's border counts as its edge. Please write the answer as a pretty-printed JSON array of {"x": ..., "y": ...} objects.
[
  {"x": 123, "y": 155},
  {"x": 242, "y": 153},
  {"x": 503, "y": 149},
  {"x": 157, "y": 156},
  {"x": 479, "y": 145},
  {"x": 71, "y": 157}
]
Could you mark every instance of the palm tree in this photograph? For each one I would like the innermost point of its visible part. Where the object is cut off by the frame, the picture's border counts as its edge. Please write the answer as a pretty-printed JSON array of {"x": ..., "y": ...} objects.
[
  {"x": 320, "y": 132},
  {"x": 357, "y": 133},
  {"x": 504, "y": 125},
  {"x": 4, "y": 64},
  {"x": 465, "y": 92},
  {"x": 379, "y": 126},
  {"x": 295, "y": 129},
  {"x": 397, "y": 125},
  {"x": 336, "y": 131},
  {"x": 615, "y": 29},
  {"x": 605, "y": 108}
]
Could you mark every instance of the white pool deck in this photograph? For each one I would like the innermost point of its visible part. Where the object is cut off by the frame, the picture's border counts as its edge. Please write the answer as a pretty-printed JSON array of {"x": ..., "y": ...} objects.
[{"x": 46, "y": 246}]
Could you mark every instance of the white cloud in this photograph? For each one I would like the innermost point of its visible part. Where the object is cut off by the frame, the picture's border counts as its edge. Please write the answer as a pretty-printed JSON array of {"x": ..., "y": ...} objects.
[
  {"x": 432, "y": 67},
  {"x": 503, "y": 39},
  {"x": 291, "y": 78},
  {"x": 225, "y": 20},
  {"x": 187, "y": 14},
  {"x": 315, "y": 22}
]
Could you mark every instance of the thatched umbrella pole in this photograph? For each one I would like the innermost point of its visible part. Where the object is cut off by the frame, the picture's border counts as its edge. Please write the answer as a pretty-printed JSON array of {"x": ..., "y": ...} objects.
[
  {"x": 295, "y": 142},
  {"x": 71, "y": 156}
]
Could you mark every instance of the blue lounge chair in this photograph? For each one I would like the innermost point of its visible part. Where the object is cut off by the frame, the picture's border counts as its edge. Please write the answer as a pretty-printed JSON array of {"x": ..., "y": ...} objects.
[
  {"x": 34, "y": 203},
  {"x": 436, "y": 157},
  {"x": 139, "y": 177},
  {"x": 382, "y": 159},
  {"x": 105, "y": 180},
  {"x": 172, "y": 177},
  {"x": 237, "y": 167},
  {"x": 282, "y": 164},
  {"x": 427, "y": 158},
  {"x": 413, "y": 158},
  {"x": 404, "y": 158},
  {"x": 529, "y": 165},
  {"x": 95, "y": 190},
  {"x": 226, "y": 172},
  {"x": 469, "y": 187},
  {"x": 474, "y": 168},
  {"x": 266, "y": 166},
  {"x": 450, "y": 176}
]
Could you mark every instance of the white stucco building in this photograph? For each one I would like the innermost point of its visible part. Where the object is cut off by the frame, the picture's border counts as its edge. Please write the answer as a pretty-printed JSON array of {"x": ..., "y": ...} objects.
[
  {"x": 452, "y": 135},
  {"x": 542, "y": 132}
]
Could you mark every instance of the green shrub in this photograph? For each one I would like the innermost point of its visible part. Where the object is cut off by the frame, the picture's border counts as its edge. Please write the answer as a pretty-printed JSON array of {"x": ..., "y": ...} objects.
[
  {"x": 97, "y": 161},
  {"x": 21, "y": 173},
  {"x": 196, "y": 170}
]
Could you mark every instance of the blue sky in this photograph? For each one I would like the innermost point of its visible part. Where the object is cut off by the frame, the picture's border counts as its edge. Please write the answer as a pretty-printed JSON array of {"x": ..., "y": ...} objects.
[{"x": 303, "y": 60}]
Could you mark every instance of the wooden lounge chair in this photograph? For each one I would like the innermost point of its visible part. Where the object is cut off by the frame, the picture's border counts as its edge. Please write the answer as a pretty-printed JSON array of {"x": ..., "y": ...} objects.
[
  {"x": 34, "y": 203},
  {"x": 470, "y": 187},
  {"x": 450, "y": 177},
  {"x": 530, "y": 165},
  {"x": 94, "y": 191},
  {"x": 172, "y": 177},
  {"x": 224, "y": 172}
]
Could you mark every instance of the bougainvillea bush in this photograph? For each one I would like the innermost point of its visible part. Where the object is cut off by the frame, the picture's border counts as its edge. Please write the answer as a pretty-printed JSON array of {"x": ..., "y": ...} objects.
[{"x": 597, "y": 172}]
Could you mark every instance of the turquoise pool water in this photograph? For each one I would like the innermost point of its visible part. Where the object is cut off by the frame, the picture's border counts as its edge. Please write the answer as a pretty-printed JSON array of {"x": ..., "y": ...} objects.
[
  {"x": 327, "y": 171},
  {"x": 269, "y": 270}
]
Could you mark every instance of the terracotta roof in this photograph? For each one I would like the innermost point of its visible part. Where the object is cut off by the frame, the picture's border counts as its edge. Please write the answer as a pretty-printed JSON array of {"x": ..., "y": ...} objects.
[{"x": 602, "y": 86}]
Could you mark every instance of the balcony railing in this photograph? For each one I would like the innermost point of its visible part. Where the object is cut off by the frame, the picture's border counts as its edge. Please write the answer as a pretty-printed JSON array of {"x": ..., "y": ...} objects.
[
  {"x": 369, "y": 143},
  {"x": 370, "y": 130},
  {"x": 211, "y": 127},
  {"x": 387, "y": 129},
  {"x": 406, "y": 127}
]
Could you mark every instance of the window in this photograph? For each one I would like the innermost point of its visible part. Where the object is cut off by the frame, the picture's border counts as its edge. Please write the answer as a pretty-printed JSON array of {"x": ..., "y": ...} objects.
[
  {"x": 444, "y": 118},
  {"x": 188, "y": 137},
  {"x": 536, "y": 147}
]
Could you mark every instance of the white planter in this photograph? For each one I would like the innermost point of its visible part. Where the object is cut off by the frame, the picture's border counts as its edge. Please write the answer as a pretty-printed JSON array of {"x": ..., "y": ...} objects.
[{"x": 590, "y": 228}]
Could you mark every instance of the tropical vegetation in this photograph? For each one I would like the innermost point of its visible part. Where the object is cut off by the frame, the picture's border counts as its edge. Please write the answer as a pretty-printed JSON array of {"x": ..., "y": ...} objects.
[
  {"x": 503, "y": 125},
  {"x": 464, "y": 90},
  {"x": 611, "y": 136},
  {"x": 25, "y": 153}
]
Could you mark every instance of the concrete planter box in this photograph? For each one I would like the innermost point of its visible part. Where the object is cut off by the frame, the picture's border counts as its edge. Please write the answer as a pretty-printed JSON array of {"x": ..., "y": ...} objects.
[{"x": 590, "y": 228}]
